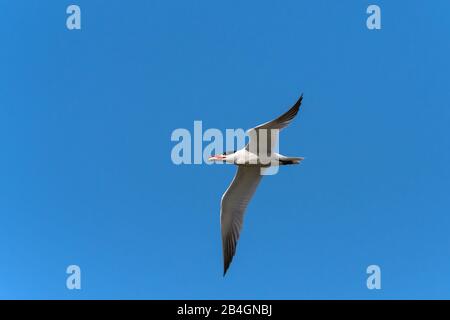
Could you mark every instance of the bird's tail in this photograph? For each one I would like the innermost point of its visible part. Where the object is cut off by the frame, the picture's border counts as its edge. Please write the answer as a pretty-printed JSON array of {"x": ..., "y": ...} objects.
[{"x": 290, "y": 160}]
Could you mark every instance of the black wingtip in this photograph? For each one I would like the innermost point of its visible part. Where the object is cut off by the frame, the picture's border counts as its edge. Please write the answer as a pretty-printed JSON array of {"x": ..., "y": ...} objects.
[
  {"x": 299, "y": 101},
  {"x": 295, "y": 108},
  {"x": 225, "y": 269}
]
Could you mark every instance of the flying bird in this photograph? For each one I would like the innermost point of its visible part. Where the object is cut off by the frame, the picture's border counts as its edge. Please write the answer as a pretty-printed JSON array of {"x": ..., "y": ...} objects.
[{"x": 250, "y": 162}]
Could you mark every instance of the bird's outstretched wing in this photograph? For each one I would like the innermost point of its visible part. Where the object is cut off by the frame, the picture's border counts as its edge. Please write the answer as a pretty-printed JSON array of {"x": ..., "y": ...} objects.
[
  {"x": 255, "y": 145},
  {"x": 234, "y": 203}
]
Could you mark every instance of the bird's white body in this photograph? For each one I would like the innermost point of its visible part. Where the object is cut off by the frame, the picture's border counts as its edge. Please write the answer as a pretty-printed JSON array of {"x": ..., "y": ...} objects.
[
  {"x": 249, "y": 160},
  {"x": 244, "y": 157}
]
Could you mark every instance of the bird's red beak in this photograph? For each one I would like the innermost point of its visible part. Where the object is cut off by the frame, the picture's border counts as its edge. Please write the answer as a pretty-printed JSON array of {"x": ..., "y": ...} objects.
[{"x": 217, "y": 157}]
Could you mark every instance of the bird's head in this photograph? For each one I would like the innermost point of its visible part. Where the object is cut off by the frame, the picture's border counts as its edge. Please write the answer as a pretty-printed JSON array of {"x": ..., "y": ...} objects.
[
  {"x": 217, "y": 157},
  {"x": 221, "y": 157}
]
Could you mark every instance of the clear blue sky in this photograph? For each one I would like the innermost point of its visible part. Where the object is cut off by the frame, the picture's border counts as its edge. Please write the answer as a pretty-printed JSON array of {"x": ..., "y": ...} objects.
[{"x": 86, "y": 176}]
